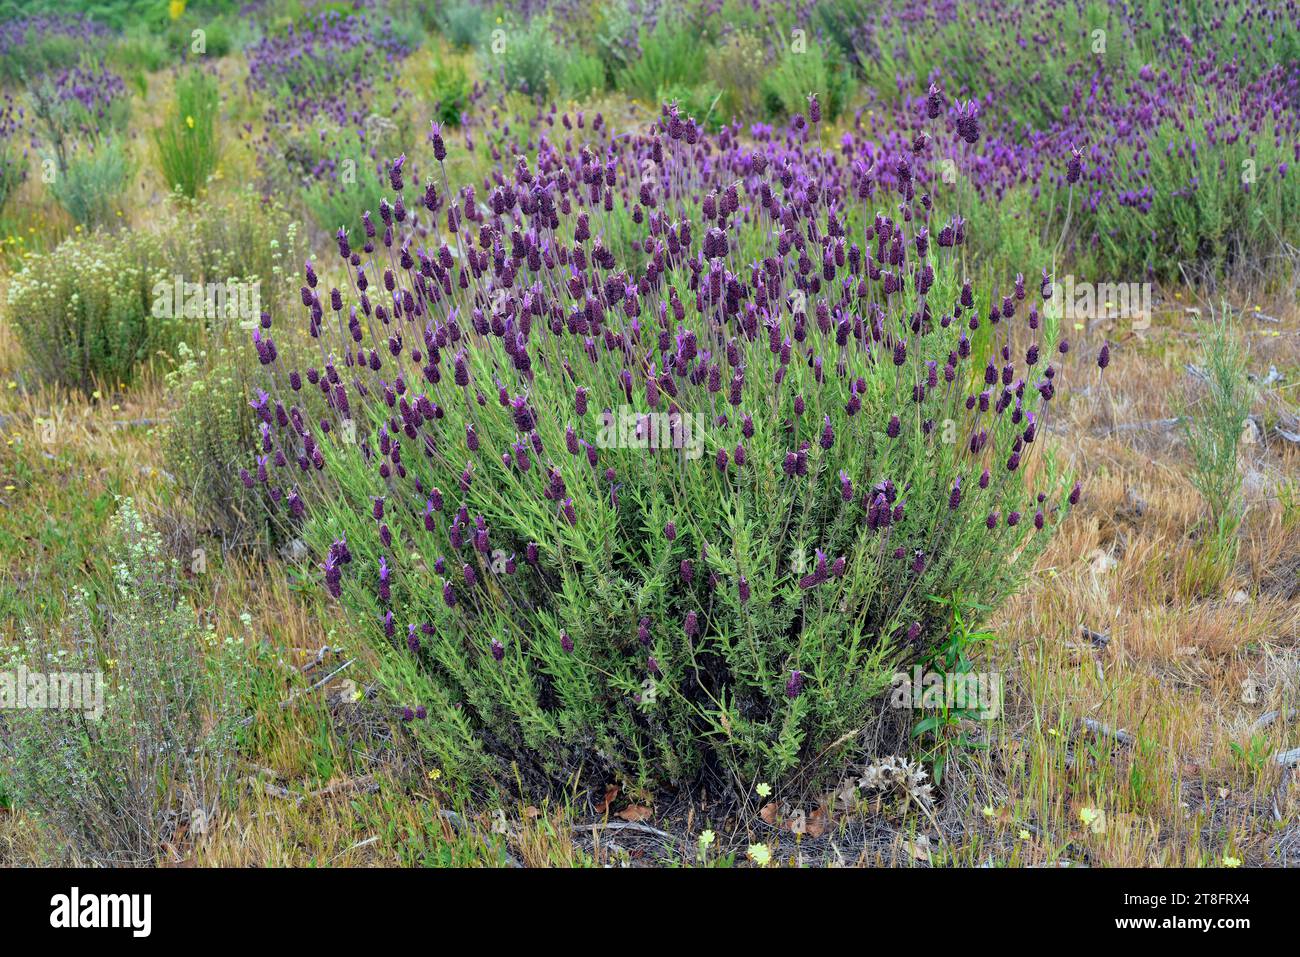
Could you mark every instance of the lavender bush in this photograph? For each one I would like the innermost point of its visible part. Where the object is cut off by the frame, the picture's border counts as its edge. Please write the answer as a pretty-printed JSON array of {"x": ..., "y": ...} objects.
[
  {"x": 30, "y": 45},
  {"x": 675, "y": 512},
  {"x": 13, "y": 160}
]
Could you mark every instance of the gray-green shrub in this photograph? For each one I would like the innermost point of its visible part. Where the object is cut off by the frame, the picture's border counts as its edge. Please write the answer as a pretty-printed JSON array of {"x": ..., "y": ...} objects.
[
  {"x": 116, "y": 787},
  {"x": 91, "y": 187}
]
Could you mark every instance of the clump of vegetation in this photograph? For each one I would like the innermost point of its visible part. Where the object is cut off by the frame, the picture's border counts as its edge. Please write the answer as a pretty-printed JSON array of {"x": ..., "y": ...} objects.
[
  {"x": 254, "y": 243},
  {"x": 523, "y": 57},
  {"x": 582, "y": 75},
  {"x": 795, "y": 75},
  {"x": 1213, "y": 423},
  {"x": 449, "y": 92},
  {"x": 346, "y": 184},
  {"x": 91, "y": 187},
  {"x": 84, "y": 311},
  {"x": 737, "y": 67},
  {"x": 188, "y": 144},
  {"x": 463, "y": 22},
  {"x": 709, "y": 560},
  {"x": 670, "y": 55},
  {"x": 147, "y": 761}
]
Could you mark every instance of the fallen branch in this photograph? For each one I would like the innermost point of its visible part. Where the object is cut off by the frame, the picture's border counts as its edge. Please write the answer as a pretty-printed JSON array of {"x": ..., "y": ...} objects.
[
  {"x": 624, "y": 826},
  {"x": 137, "y": 423},
  {"x": 1106, "y": 731},
  {"x": 324, "y": 681},
  {"x": 1264, "y": 720},
  {"x": 320, "y": 657},
  {"x": 1288, "y": 758},
  {"x": 1151, "y": 425},
  {"x": 355, "y": 784},
  {"x": 1100, "y": 639},
  {"x": 288, "y": 702}
]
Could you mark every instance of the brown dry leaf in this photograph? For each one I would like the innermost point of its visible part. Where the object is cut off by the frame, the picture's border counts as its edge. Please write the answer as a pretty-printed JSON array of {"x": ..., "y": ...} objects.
[
  {"x": 817, "y": 822},
  {"x": 611, "y": 792},
  {"x": 770, "y": 813},
  {"x": 634, "y": 812}
]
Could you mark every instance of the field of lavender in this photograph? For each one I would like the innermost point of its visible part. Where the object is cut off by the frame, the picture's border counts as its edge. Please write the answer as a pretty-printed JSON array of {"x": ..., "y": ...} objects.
[{"x": 728, "y": 433}]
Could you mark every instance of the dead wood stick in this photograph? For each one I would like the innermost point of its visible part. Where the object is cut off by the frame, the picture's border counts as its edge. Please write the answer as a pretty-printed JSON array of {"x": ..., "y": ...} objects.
[
  {"x": 321, "y": 652},
  {"x": 624, "y": 826},
  {"x": 1150, "y": 425},
  {"x": 287, "y": 702},
  {"x": 1288, "y": 758},
  {"x": 1106, "y": 731},
  {"x": 1264, "y": 720},
  {"x": 324, "y": 681},
  {"x": 355, "y": 784},
  {"x": 1098, "y": 638}
]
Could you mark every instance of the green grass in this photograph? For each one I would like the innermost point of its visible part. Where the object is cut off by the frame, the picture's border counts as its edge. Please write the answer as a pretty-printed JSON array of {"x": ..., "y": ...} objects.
[{"x": 188, "y": 144}]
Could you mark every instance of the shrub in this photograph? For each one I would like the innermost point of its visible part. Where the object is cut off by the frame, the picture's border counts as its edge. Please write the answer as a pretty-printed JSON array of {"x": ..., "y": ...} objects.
[
  {"x": 1212, "y": 425},
  {"x": 832, "y": 465},
  {"x": 83, "y": 312},
  {"x": 12, "y": 174},
  {"x": 117, "y": 786},
  {"x": 670, "y": 56},
  {"x": 91, "y": 188},
  {"x": 737, "y": 67},
  {"x": 141, "y": 49},
  {"x": 464, "y": 23},
  {"x": 449, "y": 93},
  {"x": 614, "y": 28},
  {"x": 79, "y": 110},
  {"x": 13, "y": 163},
  {"x": 209, "y": 435},
  {"x": 188, "y": 145},
  {"x": 347, "y": 183},
  {"x": 1192, "y": 197},
  {"x": 524, "y": 57},
  {"x": 795, "y": 75},
  {"x": 582, "y": 75},
  {"x": 218, "y": 40},
  {"x": 31, "y": 45},
  {"x": 213, "y": 424}
]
